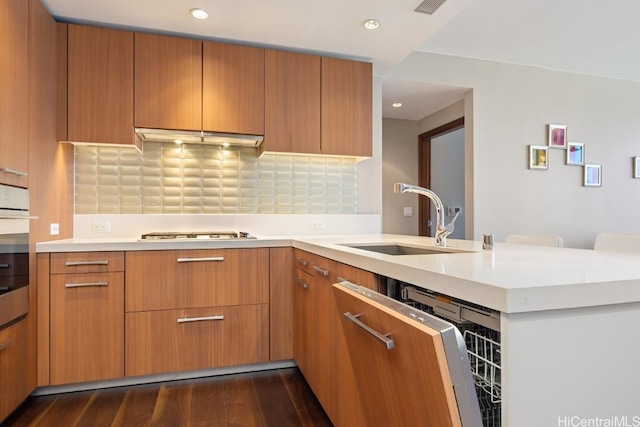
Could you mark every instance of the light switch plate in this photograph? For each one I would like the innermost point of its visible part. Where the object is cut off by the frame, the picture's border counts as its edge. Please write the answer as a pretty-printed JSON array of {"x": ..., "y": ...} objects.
[
  {"x": 408, "y": 211},
  {"x": 54, "y": 229}
]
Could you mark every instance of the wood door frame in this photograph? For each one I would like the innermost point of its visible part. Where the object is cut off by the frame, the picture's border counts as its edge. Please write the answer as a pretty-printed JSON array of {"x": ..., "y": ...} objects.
[{"x": 424, "y": 169}]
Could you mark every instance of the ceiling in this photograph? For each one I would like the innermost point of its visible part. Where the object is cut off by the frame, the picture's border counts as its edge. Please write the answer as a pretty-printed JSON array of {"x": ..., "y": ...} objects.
[{"x": 572, "y": 35}]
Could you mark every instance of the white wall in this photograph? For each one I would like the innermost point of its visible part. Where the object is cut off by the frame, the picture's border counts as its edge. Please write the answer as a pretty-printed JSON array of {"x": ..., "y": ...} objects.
[
  {"x": 512, "y": 105},
  {"x": 399, "y": 164},
  {"x": 447, "y": 177}
]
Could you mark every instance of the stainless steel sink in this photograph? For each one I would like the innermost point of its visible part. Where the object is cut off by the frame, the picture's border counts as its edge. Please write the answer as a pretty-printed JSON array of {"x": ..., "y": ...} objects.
[{"x": 397, "y": 249}]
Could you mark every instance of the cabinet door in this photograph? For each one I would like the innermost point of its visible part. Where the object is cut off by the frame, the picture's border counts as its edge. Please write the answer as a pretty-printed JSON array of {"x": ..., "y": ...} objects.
[
  {"x": 280, "y": 303},
  {"x": 14, "y": 386},
  {"x": 186, "y": 340},
  {"x": 164, "y": 280},
  {"x": 100, "y": 85},
  {"x": 232, "y": 88},
  {"x": 168, "y": 82},
  {"x": 87, "y": 327},
  {"x": 394, "y": 382},
  {"x": 346, "y": 107},
  {"x": 304, "y": 336},
  {"x": 292, "y": 102},
  {"x": 13, "y": 92}
]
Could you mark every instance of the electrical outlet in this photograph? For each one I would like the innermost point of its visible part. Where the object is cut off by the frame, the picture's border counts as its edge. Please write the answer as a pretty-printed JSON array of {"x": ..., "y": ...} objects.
[
  {"x": 101, "y": 226},
  {"x": 54, "y": 229},
  {"x": 317, "y": 225}
]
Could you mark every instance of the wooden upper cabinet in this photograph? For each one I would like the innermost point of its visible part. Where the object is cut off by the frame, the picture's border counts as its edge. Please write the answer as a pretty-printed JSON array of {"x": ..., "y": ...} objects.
[
  {"x": 292, "y": 102},
  {"x": 168, "y": 82},
  {"x": 233, "y": 88},
  {"x": 100, "y": 85},
  {"x": 346, "y": 107},
  {"x": 13, "y": 91}
]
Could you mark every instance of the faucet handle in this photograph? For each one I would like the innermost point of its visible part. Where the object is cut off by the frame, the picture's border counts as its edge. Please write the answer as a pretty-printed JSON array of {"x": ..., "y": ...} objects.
[{"x": 451, "y": 226}]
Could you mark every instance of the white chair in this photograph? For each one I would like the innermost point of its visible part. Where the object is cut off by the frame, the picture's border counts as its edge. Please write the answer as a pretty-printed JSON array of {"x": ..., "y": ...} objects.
[
  {"x": 617, "y": 242},
  {"x": 535, "y": 239}
]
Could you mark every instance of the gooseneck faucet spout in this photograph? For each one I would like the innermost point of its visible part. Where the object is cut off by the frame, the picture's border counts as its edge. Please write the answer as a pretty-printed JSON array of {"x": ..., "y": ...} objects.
[{"x": 442, "y": 231}]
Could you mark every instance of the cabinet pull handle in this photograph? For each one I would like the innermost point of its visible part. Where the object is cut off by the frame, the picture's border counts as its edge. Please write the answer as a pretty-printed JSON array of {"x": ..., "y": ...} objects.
[
  {"x": 77, "y": 263},
  {"x": 302, "y": 283},
  {"x": 85, "y": 285},
  {"x": 321, "y": 270},
  {"x": 302, "y": 262},
  {"x": 212, "y": 258},
  {"x": 4, "y": 345},
  {"x": 382, "y": 338},
  {"x": 13, "y": 171},
  {"x": 199, "y": 319},
  {"x": 4, "y": 265}
]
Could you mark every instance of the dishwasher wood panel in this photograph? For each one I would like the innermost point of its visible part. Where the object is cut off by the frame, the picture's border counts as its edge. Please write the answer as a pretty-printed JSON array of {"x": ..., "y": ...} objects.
[{"x": 394, "y": 382}]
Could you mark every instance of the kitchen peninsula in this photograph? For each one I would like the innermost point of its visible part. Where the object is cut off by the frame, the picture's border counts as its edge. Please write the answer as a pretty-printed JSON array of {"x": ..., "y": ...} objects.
[{"x": 567, "y": 316}]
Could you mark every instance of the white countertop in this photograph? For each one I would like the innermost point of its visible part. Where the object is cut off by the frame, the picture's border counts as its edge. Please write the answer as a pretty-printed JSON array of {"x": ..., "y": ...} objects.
[{"x": 511, "y": 278}]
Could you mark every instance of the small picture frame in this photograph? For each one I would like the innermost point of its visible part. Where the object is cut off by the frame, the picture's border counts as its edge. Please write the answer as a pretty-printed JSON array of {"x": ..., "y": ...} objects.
[
  {"x": 636, "y": 167},
  {"x": 538, "y": 157},
  {"x": 575, "y": 153},
  {"x": 557, "y": 137},
  {"x": 592, "y": 175}
]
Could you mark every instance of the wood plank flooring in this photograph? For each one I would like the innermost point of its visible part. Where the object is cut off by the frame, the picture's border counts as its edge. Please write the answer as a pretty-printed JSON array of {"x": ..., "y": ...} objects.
[{"x": 276, "y": 398}]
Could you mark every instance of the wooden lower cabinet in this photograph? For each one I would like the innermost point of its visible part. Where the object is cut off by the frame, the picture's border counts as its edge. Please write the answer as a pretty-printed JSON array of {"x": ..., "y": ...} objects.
[
  {"x": 14, "y": 387},
  {"x": 320, "y": 349},
  {"x": 191, "y": 339},
  {"x": 87, "y": 327}
]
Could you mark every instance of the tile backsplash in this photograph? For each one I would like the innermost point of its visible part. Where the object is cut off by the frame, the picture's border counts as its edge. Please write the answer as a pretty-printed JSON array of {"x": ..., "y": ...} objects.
[{"x": 194, "y": 179}]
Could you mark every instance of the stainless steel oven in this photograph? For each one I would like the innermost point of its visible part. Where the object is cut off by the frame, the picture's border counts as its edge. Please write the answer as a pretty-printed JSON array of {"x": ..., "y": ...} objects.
[{"x": 14, "y": 253}]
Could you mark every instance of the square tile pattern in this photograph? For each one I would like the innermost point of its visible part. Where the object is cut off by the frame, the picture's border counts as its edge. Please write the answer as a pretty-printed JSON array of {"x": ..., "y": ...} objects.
[{"x": 193, "y": 179}]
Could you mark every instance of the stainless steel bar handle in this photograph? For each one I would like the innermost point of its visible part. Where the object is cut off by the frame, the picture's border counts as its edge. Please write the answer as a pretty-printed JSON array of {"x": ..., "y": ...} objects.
[
  {"x": 76, "y": 263},
  {"x": 4, "y": 265},
  {"x": 302, "y": 262},
  {"x": 384, "y": 339},
  {"x": 302, "y": 283},
  {"x": 13, "y": 171},
  {"x": 321, "y": 270},
  {"x": 200, "y": 319},
  {"x": 85, "y": 285},
  {"x": 5, "y": 345},
  {"x": 213, "y": 258}
]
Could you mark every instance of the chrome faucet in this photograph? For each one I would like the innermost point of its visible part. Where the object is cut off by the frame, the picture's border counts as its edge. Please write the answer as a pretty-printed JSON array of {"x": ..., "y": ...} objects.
[{"x": 442, "y": 231}]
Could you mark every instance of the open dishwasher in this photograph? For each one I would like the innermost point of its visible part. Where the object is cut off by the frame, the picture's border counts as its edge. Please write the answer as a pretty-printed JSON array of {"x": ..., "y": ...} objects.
[
  {"x": 480, "y": 327},
  {"x": 411, "y": 368}
]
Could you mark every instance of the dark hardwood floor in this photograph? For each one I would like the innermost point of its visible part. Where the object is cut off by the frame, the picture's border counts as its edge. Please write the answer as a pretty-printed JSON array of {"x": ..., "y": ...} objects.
[{"x": 275, "y": 398}]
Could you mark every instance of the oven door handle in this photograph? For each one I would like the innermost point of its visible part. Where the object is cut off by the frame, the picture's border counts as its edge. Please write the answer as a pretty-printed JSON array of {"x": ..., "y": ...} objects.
[{"x": 18, "y": 217}]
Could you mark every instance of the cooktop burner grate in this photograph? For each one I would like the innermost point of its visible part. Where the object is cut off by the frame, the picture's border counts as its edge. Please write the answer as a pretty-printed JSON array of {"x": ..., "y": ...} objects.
[{"x": 203, "y": 235}]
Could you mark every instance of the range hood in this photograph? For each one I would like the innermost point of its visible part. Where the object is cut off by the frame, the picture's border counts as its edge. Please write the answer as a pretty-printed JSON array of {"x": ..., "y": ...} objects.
[{"x": 199, "y": 137}]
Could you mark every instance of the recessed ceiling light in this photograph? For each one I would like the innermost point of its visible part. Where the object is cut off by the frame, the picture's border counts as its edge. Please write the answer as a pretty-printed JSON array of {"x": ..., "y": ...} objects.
[
  {"x": 396, "y": 104},
  {"x": 199, "y": 13},
  {"x": 371, "y": 24}
]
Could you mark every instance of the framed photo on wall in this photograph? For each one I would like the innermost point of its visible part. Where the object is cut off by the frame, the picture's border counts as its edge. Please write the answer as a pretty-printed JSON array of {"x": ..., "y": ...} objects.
[
  {"x": 592, "y": 175},
  {"x": 538, "y": 157},
  {"x": 575, "y": 153},
  {"x": 636, "y": 167},
  {"x": 557, "y": 137}
]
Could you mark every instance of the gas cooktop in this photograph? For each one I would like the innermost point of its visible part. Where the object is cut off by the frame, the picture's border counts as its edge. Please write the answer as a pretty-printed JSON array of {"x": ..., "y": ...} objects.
[{"x": 196, "y": 235}]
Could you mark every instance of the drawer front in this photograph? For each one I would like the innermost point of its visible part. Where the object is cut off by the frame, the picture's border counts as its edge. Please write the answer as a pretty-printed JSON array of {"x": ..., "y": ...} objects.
[
  {"x": 86, "y": 262},
  {"x": 87, "y": 327},
  {"x": 303, "y": 260},
  {"x": 165, "y": 280},
  {"x": 184, "y": 340}
]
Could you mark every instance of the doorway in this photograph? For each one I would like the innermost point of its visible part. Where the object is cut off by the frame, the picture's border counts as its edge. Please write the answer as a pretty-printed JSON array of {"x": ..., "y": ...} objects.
[{"x": 442, "y": 169}]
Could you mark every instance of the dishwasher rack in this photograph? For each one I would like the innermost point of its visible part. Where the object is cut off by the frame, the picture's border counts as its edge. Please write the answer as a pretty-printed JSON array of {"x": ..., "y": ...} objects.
[{"x": 480, "y": 327}]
